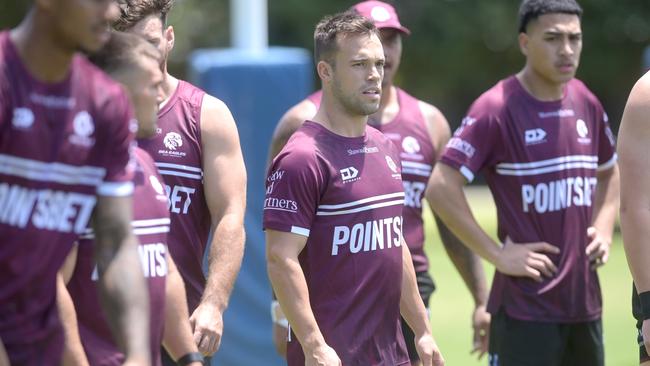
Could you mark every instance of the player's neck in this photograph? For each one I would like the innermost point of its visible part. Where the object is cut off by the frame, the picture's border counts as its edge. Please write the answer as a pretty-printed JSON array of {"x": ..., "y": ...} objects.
[
  {"x": 539, "y": 87},
  {"x": 45, "y": 60},
  {"x": 388, "y": 107},
  {"x": 169, "y": 88},
  {"x": 333, "y": 116}
]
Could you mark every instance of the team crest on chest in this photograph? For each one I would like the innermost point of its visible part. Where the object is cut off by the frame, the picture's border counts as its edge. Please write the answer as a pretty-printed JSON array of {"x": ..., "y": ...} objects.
[
  {"x": 83, "y": 127},
  {"x": 173, "y": 141},
  {"x": 23, "y": 118},
  {"x": 411, "y": 149},
  {"x": 583, "y": 132},
  {"x": 393, "y": 168}
]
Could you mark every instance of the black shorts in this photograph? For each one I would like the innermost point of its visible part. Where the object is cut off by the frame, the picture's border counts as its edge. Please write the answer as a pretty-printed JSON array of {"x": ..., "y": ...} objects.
[
  {"x": 426, "y": 287},
  {"x": 168, "y": 361},
  {"x": 516, "y": 342}
]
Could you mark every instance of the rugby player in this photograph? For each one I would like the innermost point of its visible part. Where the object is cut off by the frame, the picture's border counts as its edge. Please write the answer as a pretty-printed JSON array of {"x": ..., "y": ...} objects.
[
  {"x": 198, "y": 154},
  {"x": 421, "y": 131},
  {"x": 134, "y": 63},
  {"x": 64, "y": 153},
  {"x": 333, "y": 218},
  {"x": 633, "y": 138},
  {"x": 544, "y": 143}
]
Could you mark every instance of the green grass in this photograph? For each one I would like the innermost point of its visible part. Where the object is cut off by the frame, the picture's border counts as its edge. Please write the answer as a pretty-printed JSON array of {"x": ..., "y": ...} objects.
[{"x": 451, "y": 305}]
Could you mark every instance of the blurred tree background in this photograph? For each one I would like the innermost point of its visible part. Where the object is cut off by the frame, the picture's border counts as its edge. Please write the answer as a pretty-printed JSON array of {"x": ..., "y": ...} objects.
[{"x": 458, "y": 49}]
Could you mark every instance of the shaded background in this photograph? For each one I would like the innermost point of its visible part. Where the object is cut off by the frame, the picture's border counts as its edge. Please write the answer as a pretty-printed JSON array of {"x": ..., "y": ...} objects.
[{"x": 458, "y": 49}]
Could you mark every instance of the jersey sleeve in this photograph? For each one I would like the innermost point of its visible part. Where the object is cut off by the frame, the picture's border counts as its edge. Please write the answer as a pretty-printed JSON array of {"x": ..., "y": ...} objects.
[
  {"x": 293, "y": 189},
  {"x": 471, "y": 148},
  {"x": 606, "y": 141},
  {"x": 119, "y": 159}
]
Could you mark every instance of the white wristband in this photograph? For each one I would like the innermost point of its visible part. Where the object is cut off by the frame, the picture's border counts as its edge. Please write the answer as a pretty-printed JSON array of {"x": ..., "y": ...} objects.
[{"x": 277, "y": 315}]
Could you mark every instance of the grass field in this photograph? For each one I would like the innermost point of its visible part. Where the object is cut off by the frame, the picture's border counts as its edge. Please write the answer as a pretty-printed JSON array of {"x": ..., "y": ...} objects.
[{"x": 451, "y": 305}]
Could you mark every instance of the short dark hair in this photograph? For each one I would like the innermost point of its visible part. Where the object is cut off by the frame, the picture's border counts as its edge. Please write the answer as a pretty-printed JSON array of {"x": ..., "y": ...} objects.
[
  {"x": 345, "y": 24},
  {"x": 123, "y": 51},
  {"x": 133, "y": 11},
  {"x": 533, "y": 9}
]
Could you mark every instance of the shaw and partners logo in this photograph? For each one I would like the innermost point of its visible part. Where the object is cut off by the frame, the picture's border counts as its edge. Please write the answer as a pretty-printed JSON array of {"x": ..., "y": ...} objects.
[{"x": 280, "y": 204}]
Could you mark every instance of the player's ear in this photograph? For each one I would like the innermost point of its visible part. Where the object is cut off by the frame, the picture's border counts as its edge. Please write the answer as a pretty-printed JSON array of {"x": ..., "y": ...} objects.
[
  {"x": 169, "y": 38},
  {"x": 523, "y": 43},
  {"x": 325, "y": 71}
]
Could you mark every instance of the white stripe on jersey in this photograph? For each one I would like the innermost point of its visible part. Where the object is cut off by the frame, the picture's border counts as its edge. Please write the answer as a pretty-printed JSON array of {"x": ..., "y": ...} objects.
[
  {"x": 414, "y": 165},
  {"x": 115, "y": 189},
  {"x": 548, "y": 169},
  {"x": 51, "y": 172},
  {"x": 300, "y": 230},
  {"x": 180, "y": 174},
  {"x": 422, "y": 173},
  {"x": 140, "y": 227},
  {"x": 362, "y": 201},
  {"x": 362, "y": 208},
  {"x": 150, "y": 222},
  {"x": 547, "y": 162},
  {"x": 179, "y": 167},
  {"x": 608, "y": 164},
  {"x": 467, "y": 173}
]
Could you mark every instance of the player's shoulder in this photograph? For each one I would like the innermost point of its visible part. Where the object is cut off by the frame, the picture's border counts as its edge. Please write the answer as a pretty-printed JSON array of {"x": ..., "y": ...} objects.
[
  {"x": 296, "y": 116},
  {"x": 494, "y": 101},
  {"x": 106, "y": 96},
  {"x": 578, "y": 88},
  {"x": 641, "y": 89}
]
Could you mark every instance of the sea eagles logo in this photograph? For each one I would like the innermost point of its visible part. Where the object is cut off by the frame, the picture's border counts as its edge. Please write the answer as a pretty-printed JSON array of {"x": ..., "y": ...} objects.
[
  {"x": 173, "y": 141},
  {"x": 83, "y": 124},
  {"x": 391, "y": 164},
  {"x": 411, "y": 145},
  {"x": 23, "y": 118},
  {"x": 379, "y": 14},
  {"x": 583, "y": 132},
  {"x": 83, "y": 127}
]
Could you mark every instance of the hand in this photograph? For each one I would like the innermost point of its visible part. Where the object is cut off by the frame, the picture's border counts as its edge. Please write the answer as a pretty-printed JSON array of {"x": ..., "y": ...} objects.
[
  {"x": 428, "y": 351},
  {"x": 207, "y": 326},
  {"x": 322, "y": 356},
  {"x": 526, "y": 260},
  {"x": 598, "y": 248},
  {"x": 481, "y": 324},
  {"x": 280, "y": 339}
]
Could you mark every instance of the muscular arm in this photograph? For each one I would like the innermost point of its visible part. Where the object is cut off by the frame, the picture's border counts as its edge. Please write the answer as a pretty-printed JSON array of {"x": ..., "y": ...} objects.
[
  {"x": 467, "y": 263},
  {"x": 177, "y": 338},
  {"x": 122, "y": 288},
  {"x": 288, "y": 124},
  {"x": 290, "y": 287},
  {"x": 605, "y": 209},
  {"x": 73, "y": 352},
  {"x": 413, "y": 311},
  {"x": 224, "y": 179},
  {"x": 633, "y": 150}
]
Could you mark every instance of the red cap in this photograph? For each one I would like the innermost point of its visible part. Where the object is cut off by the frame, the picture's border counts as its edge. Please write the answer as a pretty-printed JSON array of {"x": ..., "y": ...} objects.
[{"x": 382, "y": 15}]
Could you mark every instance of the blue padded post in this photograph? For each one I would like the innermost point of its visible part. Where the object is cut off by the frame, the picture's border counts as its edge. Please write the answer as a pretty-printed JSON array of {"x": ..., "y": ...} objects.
[{"x": 258, "y": 88}]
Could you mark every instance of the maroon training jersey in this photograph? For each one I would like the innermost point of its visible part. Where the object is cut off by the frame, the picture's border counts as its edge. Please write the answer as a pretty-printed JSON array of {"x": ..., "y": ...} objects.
[
  {"x": 61, "y": 144},
  {"x": 176, "y": 149},
  {"x": 345, "y": 195},
  {"x": 150, "y": 225},
  {"x": 540, "y": 160},
  {"x": 408, "y": 130}
]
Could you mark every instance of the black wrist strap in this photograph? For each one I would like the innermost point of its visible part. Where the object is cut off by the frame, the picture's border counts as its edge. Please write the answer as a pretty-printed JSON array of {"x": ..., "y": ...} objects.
[
  {"x": 189, "y": 358},
  {"x": 645, "y": 304}
]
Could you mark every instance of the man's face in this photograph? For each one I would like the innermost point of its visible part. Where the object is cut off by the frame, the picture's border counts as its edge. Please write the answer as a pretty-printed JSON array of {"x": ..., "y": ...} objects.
[
  {"x": 143, "y": 83},
  {"x": 82, "y": 24},
  {"x": 391, "y": 40},
  {"x": 152, "y": 30},
  {"x": 552, "y": 45},
  {"x": 358, "y": 71}
]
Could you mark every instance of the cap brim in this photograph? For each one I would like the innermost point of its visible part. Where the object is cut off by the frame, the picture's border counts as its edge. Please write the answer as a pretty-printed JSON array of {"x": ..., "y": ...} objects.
[{"x": 400, "y": 28}]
